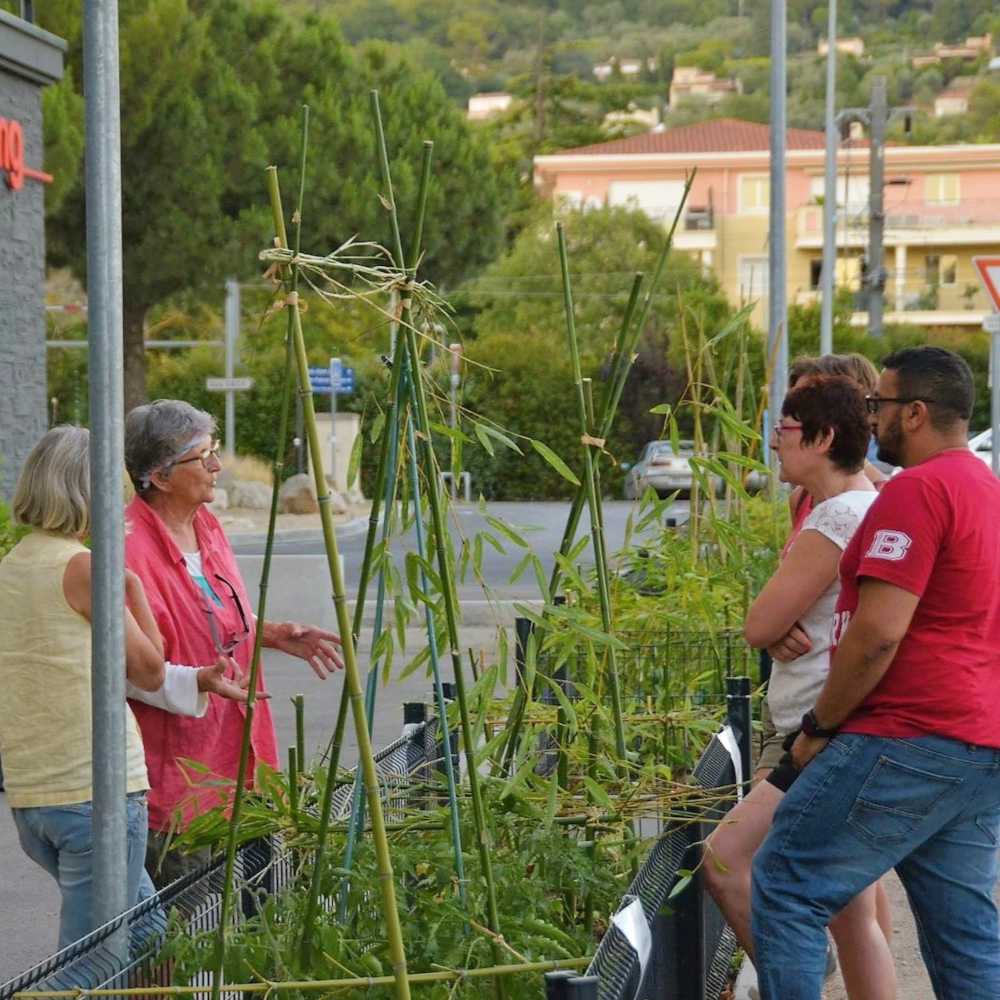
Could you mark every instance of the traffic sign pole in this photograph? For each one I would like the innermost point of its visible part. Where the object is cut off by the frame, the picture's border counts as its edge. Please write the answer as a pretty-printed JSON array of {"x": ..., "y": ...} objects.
[
  {"x": 988, "y": 269},
  {"x": 332, "y": 380},
  {"x": 995, "y": 399}
]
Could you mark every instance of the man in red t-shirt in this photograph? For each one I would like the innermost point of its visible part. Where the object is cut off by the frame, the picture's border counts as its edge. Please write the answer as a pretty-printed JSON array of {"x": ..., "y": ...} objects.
[{"x": 909, "y": 717}]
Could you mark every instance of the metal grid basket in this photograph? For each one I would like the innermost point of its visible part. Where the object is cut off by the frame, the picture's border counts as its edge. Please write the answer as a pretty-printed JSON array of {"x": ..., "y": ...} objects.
[{"x": 263, "y": 866}]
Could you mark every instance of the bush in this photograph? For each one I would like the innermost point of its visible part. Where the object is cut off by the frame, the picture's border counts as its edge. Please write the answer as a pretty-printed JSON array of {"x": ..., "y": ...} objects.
[{"x": 10, "y": 533}]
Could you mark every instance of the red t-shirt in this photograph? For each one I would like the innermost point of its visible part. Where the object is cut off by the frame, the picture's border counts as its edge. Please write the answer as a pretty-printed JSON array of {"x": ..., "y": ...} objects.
[{"x": 934, "y": 531}]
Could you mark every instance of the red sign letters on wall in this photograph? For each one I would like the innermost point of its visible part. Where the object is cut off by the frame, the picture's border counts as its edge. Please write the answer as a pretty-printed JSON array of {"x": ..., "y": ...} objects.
[{"x": 12, "y": 156}]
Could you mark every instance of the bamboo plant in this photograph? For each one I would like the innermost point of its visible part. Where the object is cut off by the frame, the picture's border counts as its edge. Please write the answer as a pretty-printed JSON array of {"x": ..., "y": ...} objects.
[
  {"x": 623, "y": 357},
  {"x": 440, "y": 534},
  {"x": 278, "y": 467}
]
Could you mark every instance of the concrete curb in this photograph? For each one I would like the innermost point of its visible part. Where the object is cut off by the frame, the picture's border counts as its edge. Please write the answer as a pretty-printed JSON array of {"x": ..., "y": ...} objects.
[{"x": 348, "y": 529}]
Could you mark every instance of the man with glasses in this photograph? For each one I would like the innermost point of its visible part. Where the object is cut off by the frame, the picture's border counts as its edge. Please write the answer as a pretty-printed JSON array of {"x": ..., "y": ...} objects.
[{"x": 901, "y": 753}]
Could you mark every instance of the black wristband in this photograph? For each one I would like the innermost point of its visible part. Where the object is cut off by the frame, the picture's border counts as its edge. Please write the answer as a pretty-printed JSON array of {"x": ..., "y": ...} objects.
[{"x": 812, "y": 728}]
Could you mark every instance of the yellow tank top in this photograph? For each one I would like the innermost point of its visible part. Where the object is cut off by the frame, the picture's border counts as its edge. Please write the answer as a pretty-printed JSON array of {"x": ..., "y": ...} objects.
[{"x": 45, "y": 698}]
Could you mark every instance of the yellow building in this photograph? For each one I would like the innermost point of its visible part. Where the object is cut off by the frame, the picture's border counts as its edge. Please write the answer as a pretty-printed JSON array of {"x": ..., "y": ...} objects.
[{"x": 942, "y": 206}]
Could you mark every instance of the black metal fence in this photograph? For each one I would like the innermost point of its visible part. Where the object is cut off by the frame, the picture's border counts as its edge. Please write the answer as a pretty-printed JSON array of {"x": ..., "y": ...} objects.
[
  {"x": 195, "y": 901},
  {"x": 690, "y": 945}
]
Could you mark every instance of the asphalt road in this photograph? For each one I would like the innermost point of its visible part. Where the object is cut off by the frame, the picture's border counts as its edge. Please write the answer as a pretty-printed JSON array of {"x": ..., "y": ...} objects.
[
  {"x": 541, "y": 524},
  {"x": 300, "y": 591}
]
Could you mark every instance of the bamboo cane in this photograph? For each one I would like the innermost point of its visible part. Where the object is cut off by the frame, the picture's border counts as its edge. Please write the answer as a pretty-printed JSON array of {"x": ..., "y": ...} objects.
[
  {"x": 620, "y": 368},
  {"x": 593, "y": 501},
  {"x": 394, "y": 932},
  {"x": 225, "y": 904},
  {"x": 623, "y": 364},
  {"x": 293, "y": 783},
  {"x": 442, "y": 708},
  {"x": 299, "y": 702},
  {"x": 357, "y": 813},
  {"x": 337, "y": 740},
  {"x": 440, "y": 539},
  {"x": 358, "y": 983},
  {"x": 399, "y": 416}
]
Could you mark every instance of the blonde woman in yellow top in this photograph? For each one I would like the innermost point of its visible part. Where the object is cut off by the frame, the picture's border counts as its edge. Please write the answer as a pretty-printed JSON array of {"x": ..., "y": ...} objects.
[{"x": 45, "y": 677}]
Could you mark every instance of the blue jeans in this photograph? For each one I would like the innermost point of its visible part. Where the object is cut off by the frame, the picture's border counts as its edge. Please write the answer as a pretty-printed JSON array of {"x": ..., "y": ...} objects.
[
  {"x": 928, "y": 807},
  {"x": 59, "y": 839}
]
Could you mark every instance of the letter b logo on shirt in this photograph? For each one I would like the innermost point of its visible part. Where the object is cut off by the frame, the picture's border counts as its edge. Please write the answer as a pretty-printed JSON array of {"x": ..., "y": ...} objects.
[{"x": 887, "y": 544}]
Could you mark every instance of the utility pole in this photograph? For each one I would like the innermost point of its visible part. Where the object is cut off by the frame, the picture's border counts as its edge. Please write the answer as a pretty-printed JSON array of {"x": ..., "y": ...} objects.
[
  {"x": 107, "y": 457},
  {"x": 876, "y": 118},
  {"x": 777, "y": 313},
  {"x": 878, "y": 114},
  {"x": 829, "y": 190}
]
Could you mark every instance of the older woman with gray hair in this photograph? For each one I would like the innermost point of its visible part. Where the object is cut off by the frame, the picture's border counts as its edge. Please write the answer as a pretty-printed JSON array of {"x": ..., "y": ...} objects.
[{"x": 178, "y": 549}]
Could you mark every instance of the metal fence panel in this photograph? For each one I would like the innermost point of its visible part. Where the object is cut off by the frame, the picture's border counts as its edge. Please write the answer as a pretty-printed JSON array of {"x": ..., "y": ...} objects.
[
  {"x": 195, "y": 900},
  {"x": 692, "y": 946}
]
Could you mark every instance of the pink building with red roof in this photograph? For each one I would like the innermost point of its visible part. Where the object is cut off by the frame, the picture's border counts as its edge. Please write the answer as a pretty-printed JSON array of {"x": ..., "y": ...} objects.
[{"x": 942, "y": 207}]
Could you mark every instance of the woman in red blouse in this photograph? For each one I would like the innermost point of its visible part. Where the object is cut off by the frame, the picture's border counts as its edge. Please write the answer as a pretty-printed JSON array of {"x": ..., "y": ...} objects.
[{"x": 178, "y": 549}]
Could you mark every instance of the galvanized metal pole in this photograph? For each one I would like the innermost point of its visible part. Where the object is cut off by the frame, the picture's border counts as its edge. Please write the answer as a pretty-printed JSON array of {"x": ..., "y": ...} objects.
[
  {"x": 232, "y": 334},
  {"x": 107, "y": 458},
  {"x": 829, "y": 190},
  {"x": 879, "y": 116},
  {"x": 777, "y": 315}
]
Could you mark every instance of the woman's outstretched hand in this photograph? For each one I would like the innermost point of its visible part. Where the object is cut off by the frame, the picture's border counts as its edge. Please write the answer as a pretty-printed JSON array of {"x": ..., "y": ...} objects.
[{"x": 319, "y": 648}]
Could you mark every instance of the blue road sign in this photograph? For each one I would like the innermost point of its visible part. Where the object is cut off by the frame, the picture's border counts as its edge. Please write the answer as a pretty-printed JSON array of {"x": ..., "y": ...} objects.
[{"x": 323, "y": 380}]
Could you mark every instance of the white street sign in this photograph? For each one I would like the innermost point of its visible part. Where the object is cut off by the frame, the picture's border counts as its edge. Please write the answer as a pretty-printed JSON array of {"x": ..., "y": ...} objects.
[
  {"x": 991, "y": 323},
  {"x": 228, "y": 384}
]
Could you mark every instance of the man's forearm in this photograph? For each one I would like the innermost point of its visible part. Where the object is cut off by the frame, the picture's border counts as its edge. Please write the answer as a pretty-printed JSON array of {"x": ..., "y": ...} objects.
[{"x": 862, "y": 658}]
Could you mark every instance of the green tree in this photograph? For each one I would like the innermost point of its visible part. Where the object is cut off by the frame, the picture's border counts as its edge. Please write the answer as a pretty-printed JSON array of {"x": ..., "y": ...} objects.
[
  {"x": 185, "y": 117},
  {"x": 211, "y": 94},
  {"x": 519, "y": 373}
]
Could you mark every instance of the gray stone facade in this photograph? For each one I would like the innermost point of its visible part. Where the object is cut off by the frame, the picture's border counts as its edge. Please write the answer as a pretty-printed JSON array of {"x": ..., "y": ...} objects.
[{"x": 26, "y": 64}]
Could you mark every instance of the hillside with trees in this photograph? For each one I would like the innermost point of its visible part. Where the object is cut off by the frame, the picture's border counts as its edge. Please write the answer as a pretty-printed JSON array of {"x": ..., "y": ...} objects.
[{"x": 212, "y": 93}]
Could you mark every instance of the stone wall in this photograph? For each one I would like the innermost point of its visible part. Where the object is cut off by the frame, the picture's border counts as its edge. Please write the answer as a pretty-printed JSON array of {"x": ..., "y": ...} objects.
[
  {"x": 29, "y": 59},
  {"x": 22, "y": 289}
]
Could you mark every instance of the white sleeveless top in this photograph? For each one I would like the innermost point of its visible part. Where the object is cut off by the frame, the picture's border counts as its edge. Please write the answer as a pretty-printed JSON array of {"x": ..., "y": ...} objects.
[{"x": 45, "y": 698}]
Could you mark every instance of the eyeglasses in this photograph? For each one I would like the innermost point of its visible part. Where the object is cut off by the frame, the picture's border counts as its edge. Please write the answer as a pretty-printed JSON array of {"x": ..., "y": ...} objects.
[
  {"x": 779, "y": 429},
  {"x": 203, "y": 456},
  {"x": 872, "y": 403},
  {"x": 225, "y": 648}
]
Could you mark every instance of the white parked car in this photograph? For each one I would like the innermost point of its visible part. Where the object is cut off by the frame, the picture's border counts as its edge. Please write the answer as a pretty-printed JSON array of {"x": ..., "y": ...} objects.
[
  {"x": 981, "y": 445},
  {"x": 667, "y": 471},
  {"x": 662, "y": 468}
]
